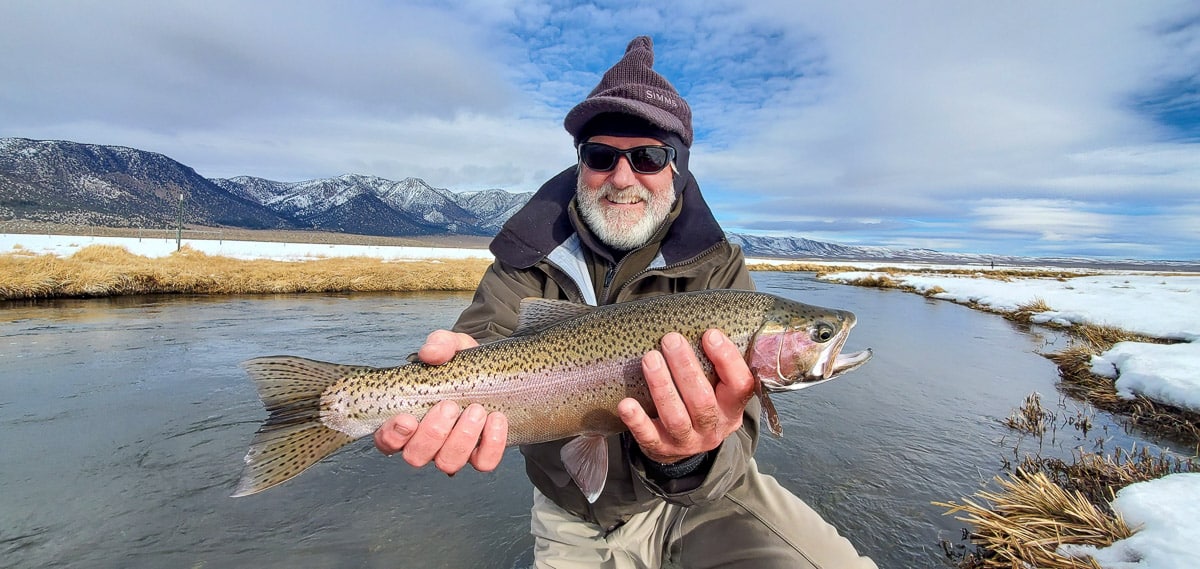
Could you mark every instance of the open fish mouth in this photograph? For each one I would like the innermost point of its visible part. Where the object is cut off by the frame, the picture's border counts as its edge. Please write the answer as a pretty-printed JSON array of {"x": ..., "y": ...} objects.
[
  {"x": 834, "y": 368},
  {"x": 848, "y": 362},
  {"x": 830, "y": 364}
]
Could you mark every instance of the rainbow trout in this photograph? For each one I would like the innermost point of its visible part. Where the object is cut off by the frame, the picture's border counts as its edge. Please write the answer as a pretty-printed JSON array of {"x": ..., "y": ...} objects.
[{"x": 560, "y": 375}]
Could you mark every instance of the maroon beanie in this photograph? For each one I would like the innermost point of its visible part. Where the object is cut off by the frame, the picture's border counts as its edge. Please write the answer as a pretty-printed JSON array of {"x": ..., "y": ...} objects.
[{"x": 632, "y": 87}]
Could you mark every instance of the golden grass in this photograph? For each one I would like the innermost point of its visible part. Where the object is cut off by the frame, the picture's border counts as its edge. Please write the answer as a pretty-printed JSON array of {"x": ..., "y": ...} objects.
[
  {"x": 1048, "y": 502},
  {"x": 1030, "y": 418},
  {"x": 1074, "y": 368},
  {"x": 1024, "y": 522},
  {"x": 105, "y": 270}
]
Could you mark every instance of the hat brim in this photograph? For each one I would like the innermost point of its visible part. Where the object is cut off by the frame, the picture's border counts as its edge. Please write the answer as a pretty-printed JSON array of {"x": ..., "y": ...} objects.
[{"x": 587, "y": 110}]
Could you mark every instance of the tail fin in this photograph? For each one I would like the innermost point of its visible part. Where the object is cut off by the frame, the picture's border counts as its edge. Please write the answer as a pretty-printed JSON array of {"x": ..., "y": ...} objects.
[{"x": 293, "y": 437}]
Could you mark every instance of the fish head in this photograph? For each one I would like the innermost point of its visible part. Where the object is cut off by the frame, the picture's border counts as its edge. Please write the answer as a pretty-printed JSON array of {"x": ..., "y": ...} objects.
[{"x": 800, "y": 346}]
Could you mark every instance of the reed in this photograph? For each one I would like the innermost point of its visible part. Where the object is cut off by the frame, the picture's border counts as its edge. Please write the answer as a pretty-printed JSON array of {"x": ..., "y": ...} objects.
[
  {"x": 1046, "y": 502},
  {"x": 1023, "y": 523},
  {"x": 103, "y": 270}
]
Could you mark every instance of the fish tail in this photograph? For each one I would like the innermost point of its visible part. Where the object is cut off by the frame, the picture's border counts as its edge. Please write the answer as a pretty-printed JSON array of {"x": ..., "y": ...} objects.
[{"x": 293, "y": 437}]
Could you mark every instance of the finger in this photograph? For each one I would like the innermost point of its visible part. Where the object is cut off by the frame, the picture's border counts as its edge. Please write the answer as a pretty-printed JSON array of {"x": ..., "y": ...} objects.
[
  {"x": 642, "y": 428},
  {"x": 391, "y": 437},
  {"x": 431, "y": 434},
  {"x": 486, "y": 457},
  {"x": 735, "y": 385},
  {"x": 692, "y": 384},
  {"x": 462, "y": 440},
  {"x": 672, "y": 413},
  {"x": 441, "y": 345}
]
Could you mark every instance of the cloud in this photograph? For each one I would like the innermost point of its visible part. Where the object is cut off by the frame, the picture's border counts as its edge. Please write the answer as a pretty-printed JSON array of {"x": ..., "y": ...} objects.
[
  {"x": 959, "y": 125},
  {"x": 182, "y": 65}
]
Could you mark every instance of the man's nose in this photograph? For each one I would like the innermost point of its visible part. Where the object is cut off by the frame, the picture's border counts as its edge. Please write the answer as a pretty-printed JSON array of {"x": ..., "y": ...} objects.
[{"x": 623, "y": 175}]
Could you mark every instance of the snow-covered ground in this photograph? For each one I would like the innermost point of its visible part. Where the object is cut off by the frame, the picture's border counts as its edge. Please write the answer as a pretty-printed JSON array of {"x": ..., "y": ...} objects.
[
  {"x": 64, "y": 245},
  {"x": 1154, "y": 304}
]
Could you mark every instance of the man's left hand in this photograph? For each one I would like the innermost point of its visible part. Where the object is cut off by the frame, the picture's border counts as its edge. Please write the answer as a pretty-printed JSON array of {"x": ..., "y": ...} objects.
[{"x": 694, "y": 416}]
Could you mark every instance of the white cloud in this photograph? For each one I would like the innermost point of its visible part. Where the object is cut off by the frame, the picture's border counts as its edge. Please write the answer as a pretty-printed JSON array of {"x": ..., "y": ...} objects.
[{"x": 932, "y": 117}]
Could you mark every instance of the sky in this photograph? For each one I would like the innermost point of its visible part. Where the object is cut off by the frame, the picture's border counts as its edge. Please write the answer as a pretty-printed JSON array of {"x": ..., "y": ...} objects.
[{"x": 1025, "y": 127}]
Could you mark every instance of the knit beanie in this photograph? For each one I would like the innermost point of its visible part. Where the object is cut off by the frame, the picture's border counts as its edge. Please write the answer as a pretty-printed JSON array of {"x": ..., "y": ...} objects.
[{"x": 632, "y": 87}]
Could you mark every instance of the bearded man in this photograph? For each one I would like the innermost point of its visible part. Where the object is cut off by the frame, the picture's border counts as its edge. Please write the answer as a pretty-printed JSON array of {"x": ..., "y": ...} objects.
[{"x": 628, "y": 221}]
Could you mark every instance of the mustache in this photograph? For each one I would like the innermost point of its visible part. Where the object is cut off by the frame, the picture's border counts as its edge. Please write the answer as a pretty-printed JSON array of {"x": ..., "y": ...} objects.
[{"x": 627, "y": 194}]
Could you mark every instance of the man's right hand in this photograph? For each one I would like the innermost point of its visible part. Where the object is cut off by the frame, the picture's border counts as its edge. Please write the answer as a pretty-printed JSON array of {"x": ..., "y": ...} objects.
[{"x": 448, "y": 435}]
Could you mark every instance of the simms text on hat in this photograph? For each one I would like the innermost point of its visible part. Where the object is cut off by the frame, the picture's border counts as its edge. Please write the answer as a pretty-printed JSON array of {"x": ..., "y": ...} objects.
[{"x": 632, "y": 87}]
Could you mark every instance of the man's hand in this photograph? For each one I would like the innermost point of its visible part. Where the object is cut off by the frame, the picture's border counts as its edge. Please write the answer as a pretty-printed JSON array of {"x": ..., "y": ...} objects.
[
  {"x": 448, "y": 436},
  {"x": 693, "y": 415}
]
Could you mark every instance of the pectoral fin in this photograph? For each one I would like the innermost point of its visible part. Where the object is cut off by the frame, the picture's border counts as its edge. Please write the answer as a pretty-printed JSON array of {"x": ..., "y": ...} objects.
[
  {"x": 768, "y": 410},
  {"x": 586, "y": 459}
]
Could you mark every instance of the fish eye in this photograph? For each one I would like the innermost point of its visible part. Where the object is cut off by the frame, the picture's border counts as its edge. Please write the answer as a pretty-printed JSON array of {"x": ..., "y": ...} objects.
[{"x": 822, "y": 333}]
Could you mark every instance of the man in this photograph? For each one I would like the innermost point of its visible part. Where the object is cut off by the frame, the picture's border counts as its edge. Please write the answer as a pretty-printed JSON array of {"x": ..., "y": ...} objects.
[{"x": 628, "y": 221}]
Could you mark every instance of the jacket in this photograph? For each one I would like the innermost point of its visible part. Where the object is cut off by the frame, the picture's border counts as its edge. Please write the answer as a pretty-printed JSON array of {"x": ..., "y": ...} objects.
[{"x": 545, "y": 251}]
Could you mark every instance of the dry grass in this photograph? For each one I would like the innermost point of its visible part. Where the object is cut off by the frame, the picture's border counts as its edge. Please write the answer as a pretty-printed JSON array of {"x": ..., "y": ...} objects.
[
  {"x": 1047, "y": 502},
  {"x": 1025, "y": 311},
  {"x": 1030, "y": 418},
  {"x": 1099, "y": 477},
  {"x": 1028, "y": 518},
  {"x": 1074, "y": 368},
  {"x": 102, "y": 270}
]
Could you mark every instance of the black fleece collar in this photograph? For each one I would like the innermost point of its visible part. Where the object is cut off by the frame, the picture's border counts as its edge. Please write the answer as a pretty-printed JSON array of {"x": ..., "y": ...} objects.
[{"x": 544, "y": 224}]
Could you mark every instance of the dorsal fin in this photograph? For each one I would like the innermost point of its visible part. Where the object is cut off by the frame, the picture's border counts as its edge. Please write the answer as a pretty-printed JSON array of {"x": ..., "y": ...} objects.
[{"x": 537, "y": 314}]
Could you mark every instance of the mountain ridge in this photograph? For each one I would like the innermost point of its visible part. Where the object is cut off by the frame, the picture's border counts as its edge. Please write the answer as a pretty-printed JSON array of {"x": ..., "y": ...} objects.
[{"x": 55, "y": 181}]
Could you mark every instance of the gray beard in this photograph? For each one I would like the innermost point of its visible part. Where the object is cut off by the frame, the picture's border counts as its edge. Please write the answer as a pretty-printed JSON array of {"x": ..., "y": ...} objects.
[{"x": 618, "y": 231}]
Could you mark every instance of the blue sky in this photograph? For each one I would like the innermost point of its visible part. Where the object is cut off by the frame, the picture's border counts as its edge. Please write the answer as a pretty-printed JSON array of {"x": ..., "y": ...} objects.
[{"x": 1025, "y": 127}]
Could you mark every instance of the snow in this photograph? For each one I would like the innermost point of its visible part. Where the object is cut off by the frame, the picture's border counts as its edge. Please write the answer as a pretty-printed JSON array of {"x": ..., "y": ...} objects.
[
  {"x": 1163, "y": 305},
  {"x": 1162, "y": 513},
  {"x": 63, "y": 245}
]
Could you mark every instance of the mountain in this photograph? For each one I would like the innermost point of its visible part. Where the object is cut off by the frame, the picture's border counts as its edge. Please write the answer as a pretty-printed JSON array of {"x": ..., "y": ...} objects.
[
  {"x": 115, "y": 186},
  {"x": 85, "y": 184}
]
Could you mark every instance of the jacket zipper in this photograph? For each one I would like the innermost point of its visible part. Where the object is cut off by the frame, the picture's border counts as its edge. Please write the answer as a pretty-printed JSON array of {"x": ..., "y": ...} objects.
[{"x": 693, "y": 260}]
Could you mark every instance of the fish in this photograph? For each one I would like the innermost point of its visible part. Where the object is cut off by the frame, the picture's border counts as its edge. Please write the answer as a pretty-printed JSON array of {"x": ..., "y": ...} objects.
[{"x": 560, "y": 375}]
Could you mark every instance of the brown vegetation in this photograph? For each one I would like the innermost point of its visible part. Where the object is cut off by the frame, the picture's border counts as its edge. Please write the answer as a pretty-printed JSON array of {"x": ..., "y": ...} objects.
[
  {"x": 1024, "y": 523},
  {"x": 102, "y": 270},
  {"x": 1074, "y": 369},
  {"x": 1047, "y": 502}
]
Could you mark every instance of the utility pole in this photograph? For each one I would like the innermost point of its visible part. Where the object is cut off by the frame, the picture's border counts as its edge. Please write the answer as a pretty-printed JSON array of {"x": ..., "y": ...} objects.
[{"x": 179, "y": 230}]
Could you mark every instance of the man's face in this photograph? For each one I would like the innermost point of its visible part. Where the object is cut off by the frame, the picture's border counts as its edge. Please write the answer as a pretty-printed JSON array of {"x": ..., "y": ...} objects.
[{"x": 621, "y": 206}]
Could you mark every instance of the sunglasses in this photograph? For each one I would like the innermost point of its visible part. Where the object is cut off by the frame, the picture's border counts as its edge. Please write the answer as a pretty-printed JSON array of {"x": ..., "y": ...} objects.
[{"x": 643, "y": 159}]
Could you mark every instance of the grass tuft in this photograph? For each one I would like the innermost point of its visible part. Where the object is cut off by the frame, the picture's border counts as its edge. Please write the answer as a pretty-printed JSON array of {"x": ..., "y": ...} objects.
[{"x": 1024, "y": 522}]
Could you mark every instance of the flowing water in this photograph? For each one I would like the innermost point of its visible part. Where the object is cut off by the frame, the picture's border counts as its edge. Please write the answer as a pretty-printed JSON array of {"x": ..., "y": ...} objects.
[{"x": 123, "y": 423}]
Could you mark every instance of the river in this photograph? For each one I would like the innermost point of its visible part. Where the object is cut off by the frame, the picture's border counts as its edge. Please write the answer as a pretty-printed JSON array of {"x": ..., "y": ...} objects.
[{"x": 123, "y": 423}]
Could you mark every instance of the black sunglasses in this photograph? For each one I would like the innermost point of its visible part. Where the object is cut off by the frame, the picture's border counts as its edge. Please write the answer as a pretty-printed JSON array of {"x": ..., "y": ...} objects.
[{"x": 643, "y": 159}]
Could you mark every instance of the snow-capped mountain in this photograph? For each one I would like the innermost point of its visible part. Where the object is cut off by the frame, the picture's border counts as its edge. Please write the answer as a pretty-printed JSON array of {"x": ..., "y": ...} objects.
[
  {"x": 85, "y": 184},
  {"x": 116, "y": 186}
]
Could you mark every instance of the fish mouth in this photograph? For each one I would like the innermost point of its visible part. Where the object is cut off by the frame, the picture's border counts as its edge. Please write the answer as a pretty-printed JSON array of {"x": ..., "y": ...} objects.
[
  {"x": 831, "y": 364},
  {"x": 848, "y": 362},
  {"x": 837, "y": 366}
]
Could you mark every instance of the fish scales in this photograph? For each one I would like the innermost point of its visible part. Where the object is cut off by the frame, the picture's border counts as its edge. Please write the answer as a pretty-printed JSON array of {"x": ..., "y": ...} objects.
[
  {"x": 558, "y": 377},
  {"x": 569, "y": 367}
]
